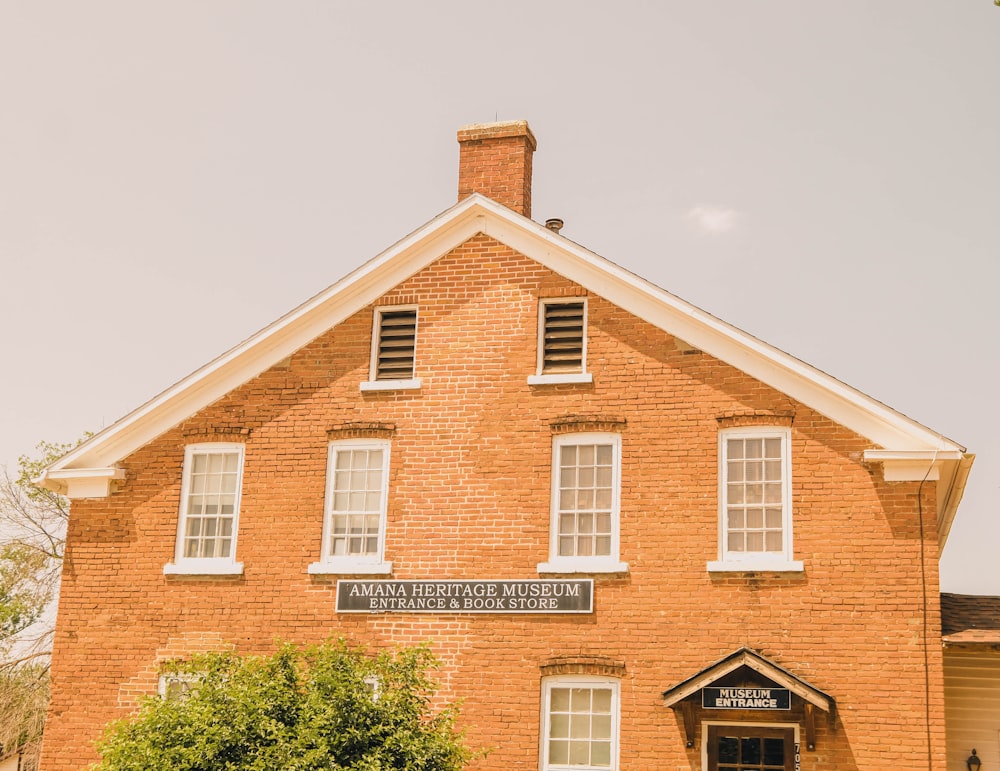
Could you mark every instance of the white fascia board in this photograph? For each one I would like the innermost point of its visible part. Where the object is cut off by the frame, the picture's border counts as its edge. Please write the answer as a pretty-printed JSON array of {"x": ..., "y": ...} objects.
[
  {"x": 829, "y": 396},
  {"x": 278, "y": 340},
  {"x": 843, "y": 404}
]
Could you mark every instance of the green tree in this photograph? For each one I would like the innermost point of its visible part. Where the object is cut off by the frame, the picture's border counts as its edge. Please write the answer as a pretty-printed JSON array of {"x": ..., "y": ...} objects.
[
  {"x": 323, "y": 707},
  {"x": 32, "y": 536},
  {"x": 33, "y": 532}
]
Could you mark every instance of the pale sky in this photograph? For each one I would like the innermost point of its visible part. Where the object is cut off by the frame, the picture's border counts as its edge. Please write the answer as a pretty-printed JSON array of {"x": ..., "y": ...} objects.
[{"x": 826, "y": 176}]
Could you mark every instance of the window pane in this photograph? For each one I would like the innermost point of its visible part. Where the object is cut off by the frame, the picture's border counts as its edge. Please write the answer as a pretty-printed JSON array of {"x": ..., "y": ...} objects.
[
  {"x": 600, "y": 754},
  {"x": 729, "y": 749},
  {"x": 772, "y": 447},
  {"x": 559, "y": 752},
  {"x": 750, "y": 750},
  {"x": 560, "y": 699},
  {"x": 734, "y": 448},
  {"x": 579, "y": 753},
  {"x": 774, "y": 752}
]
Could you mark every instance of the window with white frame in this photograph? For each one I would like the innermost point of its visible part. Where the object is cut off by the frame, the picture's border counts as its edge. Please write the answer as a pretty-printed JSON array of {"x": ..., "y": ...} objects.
[
  {"x": 394, "y": 349},
  {"x": 562, "y": 342},
  {"x": 586, "y": 492},
  {"x": 580, "y": 723},
  {"x": 209, "y": 511},
  {"x": 177, "y": 686},
  {"x": 755, "y": 512},
  {"x": 356, "y": 500}
]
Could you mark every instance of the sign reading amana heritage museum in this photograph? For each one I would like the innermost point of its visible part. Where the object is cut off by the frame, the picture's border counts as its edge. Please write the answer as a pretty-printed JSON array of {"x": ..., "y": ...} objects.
[
  {"x": 530, "y": 596},
  {"x": 746, "y": 698}
]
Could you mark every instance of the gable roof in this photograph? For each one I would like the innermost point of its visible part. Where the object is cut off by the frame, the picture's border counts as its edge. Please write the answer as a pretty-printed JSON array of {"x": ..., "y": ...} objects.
[
  {"x": 744, "y": 657},
  {"x": 907, "y": 450}
]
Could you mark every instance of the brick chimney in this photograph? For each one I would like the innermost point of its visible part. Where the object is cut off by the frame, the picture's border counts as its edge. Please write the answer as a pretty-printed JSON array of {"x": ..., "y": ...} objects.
[{"x": 495, "y": 160}]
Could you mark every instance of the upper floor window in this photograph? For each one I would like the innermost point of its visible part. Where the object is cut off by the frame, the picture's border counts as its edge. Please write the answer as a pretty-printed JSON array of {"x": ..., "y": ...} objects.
[
  {"x": 755, "y": 511},
  {"x": 394, "y": 349},
  {"x": 356, "y": 500},
  {"x": 209, "y": 511},
  {"x": 580, "y": 723},
  {"x": 586, "y": 487},
  {"x": 562, "y": 342}
]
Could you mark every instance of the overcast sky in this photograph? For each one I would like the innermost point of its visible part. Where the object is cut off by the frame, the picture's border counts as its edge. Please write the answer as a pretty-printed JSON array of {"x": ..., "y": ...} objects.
[{"x": 826, "y": 176}]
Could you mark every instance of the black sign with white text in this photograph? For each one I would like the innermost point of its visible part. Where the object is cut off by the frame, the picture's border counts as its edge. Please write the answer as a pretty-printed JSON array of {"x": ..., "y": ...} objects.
[
  {"x": 530, "y": 596},
  {"x": 746, "y": 698}
]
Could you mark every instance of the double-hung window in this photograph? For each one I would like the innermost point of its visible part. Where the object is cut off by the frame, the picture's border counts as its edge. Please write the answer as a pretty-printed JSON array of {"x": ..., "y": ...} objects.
[
  {"x": 394, "y": 349},
  {"x": 580, "y": 723},
  {"x": 586, "y": 493},
  {"x": 562, "y": 342},
  {"x": 209, "y": 511},
  {"x": 755, "y": 505},
  {"x": 356, "y": 497}
]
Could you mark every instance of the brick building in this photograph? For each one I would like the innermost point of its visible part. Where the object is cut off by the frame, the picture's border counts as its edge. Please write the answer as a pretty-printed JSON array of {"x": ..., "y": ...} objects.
[{"x": 636, "y": 536}]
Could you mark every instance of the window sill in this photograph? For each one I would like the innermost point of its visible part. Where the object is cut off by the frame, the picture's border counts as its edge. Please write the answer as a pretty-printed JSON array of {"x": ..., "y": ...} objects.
[
  {"x": 774, "y": 565},
  {"x": 583, "y": 565},
  {"x": 334, "y": 567},
  {"x": 575, "y": 377},
  {"x": 203, "y": 568},
  {"x": 391, "y": 385}
]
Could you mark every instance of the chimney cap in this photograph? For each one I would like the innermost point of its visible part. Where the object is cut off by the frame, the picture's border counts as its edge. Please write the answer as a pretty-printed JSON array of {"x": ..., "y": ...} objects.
[{"x": 501, "y": 130}]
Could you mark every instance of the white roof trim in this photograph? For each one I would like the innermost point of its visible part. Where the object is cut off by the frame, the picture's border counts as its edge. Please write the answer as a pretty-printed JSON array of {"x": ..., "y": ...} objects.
[{"x": 847, "y": 406}]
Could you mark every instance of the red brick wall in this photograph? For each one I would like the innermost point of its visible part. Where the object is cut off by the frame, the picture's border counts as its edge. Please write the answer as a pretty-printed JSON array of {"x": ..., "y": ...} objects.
[{"x": 469, "y": 498}]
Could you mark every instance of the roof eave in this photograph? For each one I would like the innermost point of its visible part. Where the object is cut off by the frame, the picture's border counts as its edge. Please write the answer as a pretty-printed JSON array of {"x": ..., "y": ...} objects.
[{"x": 882, "y": 425}]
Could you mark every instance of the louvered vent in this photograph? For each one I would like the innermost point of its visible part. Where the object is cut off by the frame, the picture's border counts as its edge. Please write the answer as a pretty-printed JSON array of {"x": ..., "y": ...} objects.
[
  {"x": 563, "y": 338},
  {"x": 397, "y": 339}
]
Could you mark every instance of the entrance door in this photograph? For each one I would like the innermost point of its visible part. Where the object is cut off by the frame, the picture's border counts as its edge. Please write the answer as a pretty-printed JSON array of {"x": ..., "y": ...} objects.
[{"x": 750, "y": 748}]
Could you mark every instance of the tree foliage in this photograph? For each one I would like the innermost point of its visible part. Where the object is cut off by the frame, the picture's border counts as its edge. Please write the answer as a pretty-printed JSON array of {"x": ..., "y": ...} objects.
[
  {"x": 32, "y": 536},
  {"x": 323, "y": 707},
  {"x": 24, "y": 696},
  {"x": 33, "y": 529}
]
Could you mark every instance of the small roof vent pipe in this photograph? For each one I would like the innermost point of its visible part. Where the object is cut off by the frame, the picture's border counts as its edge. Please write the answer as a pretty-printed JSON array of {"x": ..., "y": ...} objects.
[{"x": 555, "y": 224}]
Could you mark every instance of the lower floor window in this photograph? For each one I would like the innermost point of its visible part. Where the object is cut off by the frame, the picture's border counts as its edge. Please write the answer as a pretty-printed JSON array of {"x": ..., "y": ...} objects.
[{"x": 580, "y": 723}]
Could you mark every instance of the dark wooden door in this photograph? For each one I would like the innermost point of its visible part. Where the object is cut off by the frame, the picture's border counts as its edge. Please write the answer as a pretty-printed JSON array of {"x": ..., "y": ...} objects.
[{"x": 750, "y": 748}]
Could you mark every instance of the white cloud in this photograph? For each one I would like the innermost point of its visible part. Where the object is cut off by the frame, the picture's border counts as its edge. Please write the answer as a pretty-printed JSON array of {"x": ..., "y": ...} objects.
[{"x": 713, "y": 219}]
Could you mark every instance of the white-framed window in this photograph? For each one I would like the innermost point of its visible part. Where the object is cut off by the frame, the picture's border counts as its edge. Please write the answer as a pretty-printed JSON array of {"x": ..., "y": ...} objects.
[
  {"x": 755, "y": 501},
  {"x": 357, "y": 491},
  {"x": 177, "y": 686},
  {"x": 562, "y": 342},
  {"x": 207, "y": 525},
  {"x": 580, "y": 723},
  {"x": 394, "y": 349},
  {"x": 586, "y": 498}
]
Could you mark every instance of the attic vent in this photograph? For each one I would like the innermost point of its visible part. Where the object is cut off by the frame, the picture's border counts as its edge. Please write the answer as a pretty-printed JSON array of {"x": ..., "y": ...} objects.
[
  {"x": 563, "y": 337},
  {"x": 397, "y": 342}
]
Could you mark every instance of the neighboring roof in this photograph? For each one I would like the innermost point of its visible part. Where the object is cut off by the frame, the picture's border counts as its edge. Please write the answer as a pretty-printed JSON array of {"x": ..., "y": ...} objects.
[
  {"x": 969, "y": 619},
  {"x": 906, "y": 449},
  {"x": 744, "y": 657}
]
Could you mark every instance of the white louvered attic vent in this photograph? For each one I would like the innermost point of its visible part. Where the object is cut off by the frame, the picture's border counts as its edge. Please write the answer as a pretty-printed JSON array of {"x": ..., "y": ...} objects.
[
  {"x": 397, "y": 342},
  {"x": 563, "y": 337}
]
